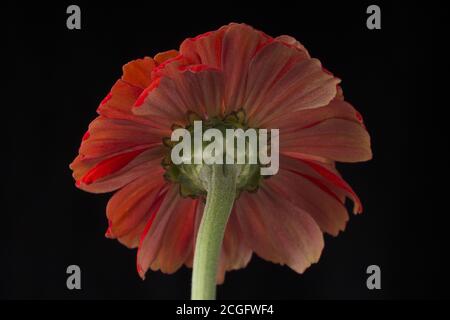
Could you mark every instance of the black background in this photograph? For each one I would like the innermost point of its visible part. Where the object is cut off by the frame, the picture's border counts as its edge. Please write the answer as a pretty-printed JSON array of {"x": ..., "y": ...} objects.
[{"x": 59, "y": 76}]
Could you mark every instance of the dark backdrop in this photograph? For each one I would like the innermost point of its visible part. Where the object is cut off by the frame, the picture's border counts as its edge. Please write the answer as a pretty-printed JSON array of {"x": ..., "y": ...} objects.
[{"x": 59, "y": 76}]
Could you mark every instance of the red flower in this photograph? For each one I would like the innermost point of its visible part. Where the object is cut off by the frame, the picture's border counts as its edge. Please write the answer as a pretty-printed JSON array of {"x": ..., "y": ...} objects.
[{"x": 263, "y": 82}]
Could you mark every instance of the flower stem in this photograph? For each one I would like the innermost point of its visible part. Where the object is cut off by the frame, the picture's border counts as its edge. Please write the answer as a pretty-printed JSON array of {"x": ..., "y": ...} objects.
[{"x": 221, "y": 187}]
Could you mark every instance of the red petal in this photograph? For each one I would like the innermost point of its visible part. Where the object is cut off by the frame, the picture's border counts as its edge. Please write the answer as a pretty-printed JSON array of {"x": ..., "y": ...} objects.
[
  {"x": 336, "y": 180},
  {"x": 106, "y": 99},
  {"x": 153, "y": 210},
  {"x": 144, "y": 94},
  {"x": 318, "y": 183},
  {"x": 109, "y": 166},
  {"x": 85, "y": 136}
]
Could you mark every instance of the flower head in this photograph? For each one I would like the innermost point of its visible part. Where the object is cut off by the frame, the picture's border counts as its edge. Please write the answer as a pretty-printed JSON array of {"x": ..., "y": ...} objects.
[{"x": 234, "y": 77}]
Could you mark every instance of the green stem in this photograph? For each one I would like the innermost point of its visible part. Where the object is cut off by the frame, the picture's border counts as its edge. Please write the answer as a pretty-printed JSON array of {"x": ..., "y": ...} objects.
[{"x": 221, "y": 180}]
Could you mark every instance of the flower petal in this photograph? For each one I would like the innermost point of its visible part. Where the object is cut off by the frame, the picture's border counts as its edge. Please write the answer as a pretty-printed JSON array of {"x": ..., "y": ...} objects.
[
  {"x": 120, "y": 99},
  {"x": 104, "y": 175},
  {"x": 239, "y": 44},
  {"x": 277, "y": 230},
  {"x": 110, "y": 165},
  {"x": 138, "y": 76},
  {"x": 205, "y": 48},
  {"x": 325, "y": 176},
  {"x": 293, "y": 43},
  {"x": 196, "y": 88},
  {"x": 312, "y": 194},
  {"x": 128, "y": 210},
  {"x": 167, "y": 240},
  {"x": 266, "y": 68},
  {"x": 335, "y": 139},
  {"x": 164, "y": 56},
  {"x": 302, "y": 119},
  {"x": 111, "y": 136},
  {"x": 236, "y": 253},
  {"x": 305, "y": 86},
  {"x": 177, "y": 243},
  {"x": 119, "y": 102},
  {"x": 138, "y": 72}
]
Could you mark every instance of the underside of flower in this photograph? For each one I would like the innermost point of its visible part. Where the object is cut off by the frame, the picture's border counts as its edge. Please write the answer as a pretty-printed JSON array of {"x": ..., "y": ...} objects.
[
  {"x": 193, "y": 178},
  {"x": 234, "y": 78}
]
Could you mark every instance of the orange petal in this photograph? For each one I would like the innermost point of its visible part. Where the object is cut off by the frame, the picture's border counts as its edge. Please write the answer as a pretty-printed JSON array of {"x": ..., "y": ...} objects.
[
  {"x": 121, "y": 98},
  {"x": 164, "y": 56},
  {"x": 119, "y": 102},
  {"x": 138, "y": 72}
]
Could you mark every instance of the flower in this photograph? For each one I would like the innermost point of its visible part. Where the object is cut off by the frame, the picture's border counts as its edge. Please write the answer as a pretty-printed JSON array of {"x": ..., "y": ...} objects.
[{"x": 240, "y": 76}]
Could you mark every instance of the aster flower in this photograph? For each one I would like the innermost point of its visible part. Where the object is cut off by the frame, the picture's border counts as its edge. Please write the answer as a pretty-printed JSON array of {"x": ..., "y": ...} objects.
[{"x": 235, "y": 76}]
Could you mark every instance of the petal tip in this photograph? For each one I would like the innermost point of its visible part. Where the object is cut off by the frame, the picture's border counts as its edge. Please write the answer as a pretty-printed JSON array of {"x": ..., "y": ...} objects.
[{"x": 140, "y": 271}]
